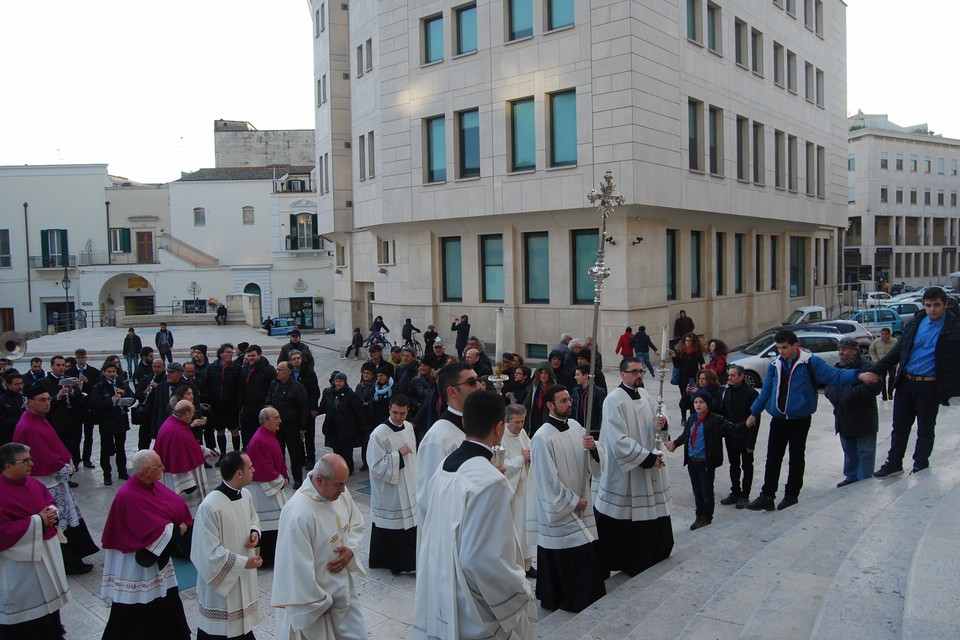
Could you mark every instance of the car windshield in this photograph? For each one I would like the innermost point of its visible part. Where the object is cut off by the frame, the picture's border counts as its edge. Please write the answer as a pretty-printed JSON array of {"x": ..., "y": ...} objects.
[
  {"x": 762, "y": 344},
  {"x": 846, "y": 315},
  {"x": 794, "y": 317}
]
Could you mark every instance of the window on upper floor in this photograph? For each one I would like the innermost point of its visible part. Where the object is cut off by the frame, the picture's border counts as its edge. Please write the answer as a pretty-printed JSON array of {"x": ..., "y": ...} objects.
[
  {"x": 468, "y": 144},
  {"x": 362, "y": 156},
  {"x": 451, "y": 275},
  {"x": 199, "y": 217},
  {"x": 432, "y": 32},
  {"x": 927, "y": 164},
  {"x": 756, "y": 51},
  {"x": 671, "y": 264},
  {"x": 913, "y": 164},
  {"x": 563, "y": 128},
  {"x": 466, "y": 29},
  {"x": 820, "y": 88},
  {"x": 368, "y": 63},
  {"x": 714, "y": 28},
  {"x": 927, "y": 197},
  {"x": 583, "y": 245},
  {"x": 851, "y": 162},
  {"x": 883, "y": 193},
  {"x": 940, "y": 166},
  {"x": 694, "y": 24},
  {"x": 523, "y": 135},
  {"x": 779, "y": 159},
  {"x": 559, "y": 14},
  {"x": 812, "y": 168},
  {"x": 739, "y": 240},
  {"x": 759, "y": 147},
  {"x": 359, "y": 71},
  {"x": 792, "y": 178},
  {"x": 808, "y": 17},
  {"x": 899, "y": 162},
  {"x": 940, "y": 197},
  {"x": 778, "y": 64},
  {"x": 884, "y": 160},
  {"x": 696, "y": 264},
  {"x": 119, "y": 240},
  {"x": 303, "y": 232},
  {"x": 898, "y": 195},
  {"x": 5, "y": 255},
  {"x": 913, "y": 196},
  {"x": 695, "y": 135},
  {"x": 247, "y": 215},
  {"x": 720, "y": 261},
  {"x": 491, "y": 258},
  {"x": 715, "y": 132},
  {"x": 791, "y": 71},
  {"x": 436, "y": 150},
  {"x": 371, "y": 158},
  {"x": 536, "y": 267},
  {"x": 316, "y": 23},
  {"x": 818, "y": 17},
  {"x": 821, "y": 171},
  {"x": 740, "y": 42},
  {"x": 810, "y": 82},
  {"x": 743, "y": 147},
  {"x": 792, "y": 7},
  {"x": 386, "y": 251},
  {"x": 953, "y": 167},
  {"x": 519, "y": 19},
  {"x": 340, "y": 255}
]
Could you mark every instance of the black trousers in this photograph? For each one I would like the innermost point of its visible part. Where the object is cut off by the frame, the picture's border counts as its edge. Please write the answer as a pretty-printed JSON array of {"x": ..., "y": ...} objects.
[
  {"x": 886, "y": 382},
  {"x": 914, "y": 401},
  {"x": 248, "y": 427},
  {"x": 784, "y": 434},
  {"x": 87, "y": 441},
  {"x": 71, "y": 440},
  {"x": 113, "y": 444},
  {"x": 291, "y": 441},
  {"x": 701, "y": 479},
  {"x": 740, "y": 460}
]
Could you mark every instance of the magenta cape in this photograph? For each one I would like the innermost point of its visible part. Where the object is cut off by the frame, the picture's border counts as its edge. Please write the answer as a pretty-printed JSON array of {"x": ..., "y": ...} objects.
[
  {"x": 48, "y": 453},
  {"x": 139, "y": 514},
  {"x": 19, "y": 501},
  {"x": 266, "y": 456},
  {"x": 178, "y": 449}
]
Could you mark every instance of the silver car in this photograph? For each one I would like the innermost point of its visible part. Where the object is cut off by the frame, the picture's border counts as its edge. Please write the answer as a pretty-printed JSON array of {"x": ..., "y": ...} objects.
[{"x": 756, "y": 357}]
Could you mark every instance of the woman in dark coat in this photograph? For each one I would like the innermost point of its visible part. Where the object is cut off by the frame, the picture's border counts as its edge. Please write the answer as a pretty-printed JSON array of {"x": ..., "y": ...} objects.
[
  {"x": 688, "y": 359},
  {"x": 343, "y": 421},
  {"x": 537, "y": 411}
]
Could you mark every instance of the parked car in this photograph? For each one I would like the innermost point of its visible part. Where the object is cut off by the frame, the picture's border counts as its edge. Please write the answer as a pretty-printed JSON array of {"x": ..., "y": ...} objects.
[
  {"x": 904, "y": 309},
  {"x": 282, "y": 326},
  {"x": 796, "y": 328},
  {"x": 802, "y": 315},
  {"x": 875, "y": 319},
  {"x": 874, "y": 298},
  {"x": 756, "y": 357},
  {"x": 852, "y": 329}
]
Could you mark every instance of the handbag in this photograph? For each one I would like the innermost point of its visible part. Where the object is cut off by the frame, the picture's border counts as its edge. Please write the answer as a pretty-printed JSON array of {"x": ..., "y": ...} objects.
[{"x": 675, "y": 376}]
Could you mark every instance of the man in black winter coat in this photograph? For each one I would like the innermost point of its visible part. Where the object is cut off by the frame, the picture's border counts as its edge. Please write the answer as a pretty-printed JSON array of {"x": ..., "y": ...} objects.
[
  {"x": 289, "y": 398},
  {"x": 735, "y": 401},
  {"x": 855, "y": 415},
  {"x": 221, "y": 390},
  {"x": 255, "y": 379},
  {"x": 112, "y": 421}
]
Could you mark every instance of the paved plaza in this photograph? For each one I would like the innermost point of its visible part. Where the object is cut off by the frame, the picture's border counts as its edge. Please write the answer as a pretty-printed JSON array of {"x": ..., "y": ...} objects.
[{"x": 877, "y": 559}]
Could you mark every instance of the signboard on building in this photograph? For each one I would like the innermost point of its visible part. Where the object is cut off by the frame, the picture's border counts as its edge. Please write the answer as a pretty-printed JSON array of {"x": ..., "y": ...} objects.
[{"x": 137, "y": 282}]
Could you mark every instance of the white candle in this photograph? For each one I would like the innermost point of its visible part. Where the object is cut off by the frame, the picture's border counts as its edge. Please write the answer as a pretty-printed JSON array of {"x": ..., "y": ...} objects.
[
  {"x": 498, "y": 349},
  {"x": 664, "y": 344}
]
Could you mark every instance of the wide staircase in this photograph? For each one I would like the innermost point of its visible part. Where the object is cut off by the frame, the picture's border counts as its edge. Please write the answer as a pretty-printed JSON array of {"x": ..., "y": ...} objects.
[{"x": 876, "y": 559}]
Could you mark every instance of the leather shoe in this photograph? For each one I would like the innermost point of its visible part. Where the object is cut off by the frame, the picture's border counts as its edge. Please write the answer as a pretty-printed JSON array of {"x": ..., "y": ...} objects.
[
  {"x": 89, "y": 465},
  {"x": 919, "y": 468},
  {"x": 72, "y": 484},
  {"x": 80, "y": 569},
  {"x": 887, "y": 470},
  {"x": 788, "y": 501},
  {"x": 532, "y": 573},
  {"x": 700, "y": 522},
  {"x": 107, "y": 482},
  {"x": 207, "y": 465},
  {"x": 742, "y": 502},
  {"x": 123, "y": 476},
  {"x": 762, "y": 503},
  {"x": 733, "y": 498},
  {"x": 845, "y": 482}
]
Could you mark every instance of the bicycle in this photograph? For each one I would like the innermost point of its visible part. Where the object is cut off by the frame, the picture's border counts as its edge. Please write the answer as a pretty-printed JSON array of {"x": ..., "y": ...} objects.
[
  {"x": 378, "y": 338},
  {"x": 414, "y": 344}
]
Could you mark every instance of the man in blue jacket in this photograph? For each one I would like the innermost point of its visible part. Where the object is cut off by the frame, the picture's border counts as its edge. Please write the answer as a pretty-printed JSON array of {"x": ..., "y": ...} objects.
[{"x": 789, "y": 395}]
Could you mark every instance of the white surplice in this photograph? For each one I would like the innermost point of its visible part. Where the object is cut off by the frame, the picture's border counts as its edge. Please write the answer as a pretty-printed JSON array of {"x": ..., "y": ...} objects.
[
  {"x": 310, "y": 602},
  {"x": 524, "y": 490},
  {"x": 472, "y": 584},
  {"x": 440, "y": 439},
  {"x": 125, "y": 581},
  {"x": 268, "y": 500},
  {"x": 33, "y": 583},
  {"x": 563, "y": 468},
  {"x": 393, "y": 491},
  {"x": 227, "y": 592}
]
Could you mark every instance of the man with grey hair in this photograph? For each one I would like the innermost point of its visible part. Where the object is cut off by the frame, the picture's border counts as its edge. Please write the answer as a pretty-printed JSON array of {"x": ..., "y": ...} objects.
[
  {"x": 320, "y": 530},
  {"x": 564, "y": 345},
  {"x": 270, "y": 477},
  {"x": 144, "y": 527},
  {"x": 472, "y": 358},
  {"x": 182, "y": 455},
  {"x": 34, "y": 584}
]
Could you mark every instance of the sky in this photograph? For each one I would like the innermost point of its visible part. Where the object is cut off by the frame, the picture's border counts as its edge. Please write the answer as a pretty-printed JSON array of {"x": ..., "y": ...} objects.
[{"x": 137, "y": 85}]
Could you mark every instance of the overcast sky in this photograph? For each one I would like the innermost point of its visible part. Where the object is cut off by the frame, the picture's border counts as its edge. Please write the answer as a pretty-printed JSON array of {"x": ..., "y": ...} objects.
[{"x": 138, "y": 85}]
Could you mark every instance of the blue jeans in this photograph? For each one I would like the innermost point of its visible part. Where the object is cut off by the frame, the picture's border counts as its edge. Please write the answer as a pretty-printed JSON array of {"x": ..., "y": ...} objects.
[
  {"x": 132, "y": 359},
  {"x": 859, "y": 456},
  {"x": 645, "y": 359}
]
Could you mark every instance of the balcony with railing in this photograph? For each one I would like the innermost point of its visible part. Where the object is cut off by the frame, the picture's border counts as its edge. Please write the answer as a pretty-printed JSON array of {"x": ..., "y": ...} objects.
[
  {"x": 93, "y": 258},
  {"x": 52, "y": 262}
]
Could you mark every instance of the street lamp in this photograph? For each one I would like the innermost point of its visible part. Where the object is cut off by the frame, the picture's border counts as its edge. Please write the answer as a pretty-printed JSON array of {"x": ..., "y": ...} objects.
[{"x": 65, "y": 283}]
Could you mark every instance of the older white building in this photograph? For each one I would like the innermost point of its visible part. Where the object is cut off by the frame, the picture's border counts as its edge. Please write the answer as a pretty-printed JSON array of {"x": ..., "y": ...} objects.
[
  {"x": 456, "y": 142},
  {"x": 904, "y": 219}
]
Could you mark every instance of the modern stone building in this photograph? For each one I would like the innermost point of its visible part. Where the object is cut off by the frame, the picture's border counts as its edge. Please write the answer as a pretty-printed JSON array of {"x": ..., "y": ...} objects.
[
  {"x": 902, "y": 189},
  {"x": 456, "y": 143}
]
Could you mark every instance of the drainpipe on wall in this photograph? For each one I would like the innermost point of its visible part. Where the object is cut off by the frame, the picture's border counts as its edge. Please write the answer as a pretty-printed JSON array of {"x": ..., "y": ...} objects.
[
  {"x": 26, "y": 233},
  {"x": 109, "y": 236}
]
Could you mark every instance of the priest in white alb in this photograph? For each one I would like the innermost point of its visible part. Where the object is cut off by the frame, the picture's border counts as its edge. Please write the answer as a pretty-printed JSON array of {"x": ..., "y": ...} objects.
[
  {"x": 633, "y": 504},
  {"x": 564, "y": 457},
  {"x": 314, "y": 593},
  {"x": 225, "y": 533},
  {"x": 392, "y": 458},
  {"x": 471, "y": 584},
  {"x": 516, "y": 461},
  {"x": 455, "y": 382},
  {"x": 33, "y": 585},
  {"x": 270, "y": 478},
  {"x": 182, "y": 455},
  {"x": 144, "y": 527}
]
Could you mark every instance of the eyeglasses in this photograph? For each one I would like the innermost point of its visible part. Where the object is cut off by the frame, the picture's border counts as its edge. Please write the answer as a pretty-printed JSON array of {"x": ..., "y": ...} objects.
[
  {"x": 634, "y": 372},
  {"x": 469, "y": 381},
  {"x": 24, "y": 461}
]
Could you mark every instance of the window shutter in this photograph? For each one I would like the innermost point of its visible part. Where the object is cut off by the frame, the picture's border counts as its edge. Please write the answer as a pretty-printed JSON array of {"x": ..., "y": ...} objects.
[
  {"x": 45, "y": 248},
  {"x": 125, "y": 240},
  {"x": 313, "y": 229},
  {"x": 294, "y": 232},
  {"x": 64, "y": 249}
]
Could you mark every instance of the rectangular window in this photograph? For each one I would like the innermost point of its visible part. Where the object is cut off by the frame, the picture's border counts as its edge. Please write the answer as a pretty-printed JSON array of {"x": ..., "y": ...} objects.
[
  {"x": 248, "y": 215},
  {"x": 913, "y": 196},
  {"x": 899, "y": 195},
  {"x": 810, "y": 83},
  {"x": 913, "y": 163},
  {"x": 740, "y": 42},
  {"x": 926, "y": 197},
  {"x": 468, "y": 137},
  {"x": 199, "y": 217},
  {"x": 559, "y": 14},
  {"x": 774, "y": 263},
  {"x": 326, "y": 171},
  {"x": 359, "y": 60},
  {"x": 386, "y": 252},
  {"x": 316, "y": 24},
  {"x": 695, "y": 134},
  {"x": 792, "y": 177},
  {"x": 466, "y": 29},
  {"x": 758, "y": 154},
  {"x": 743, "y": 146},
  {"x": 340, "y": 255},
  {"x": 883, "y": 160},
  {"x": 851, "y": 162},
  {"x": 791, "y": 72},
  {"x": 323, "y": 16},
  {"x": 696, "y": 264},
  {"x": 738, "y": 242},
  {"x": 369, "y": 60},
  {"x": 323, "y": 88},
  {"x": 926, "y": 164},
  {"x": 940, "y": 166},
  {"x": 433, "y": 39},
  {"x": 371, "y": 159},
  {"x": 584, "y": 244},
  {"x": 563, "y": 129},
  {"x": 778, "y": 64},
  {"x": 119, "y": 240},
  {"x": 536, "y": 267},
  {"x": 758, "y": 262},
  {"x": 953, "y": 167},
  {"x": 452, "y": 276},
  {"x": 851, "y": 194},
  {"x": 671, "y": 264},
  {"x": 792, "y": 8},
  {"x": 362, "y": 156},
  {"x": 319, "y": 94},
  {"x": 821, "y": 171},
  {"x": 798, "y": 266},
  {"x": 812, "y": 168},
  {"x": 756, "y": 51},
  {"x": 520, "y": 19},
  {"x": 523, "y": 136},
  {"x": 808, "y": 14},
  {"x": 825, "y": 270},
  {"x": 883, "y": 194},
  {"x": 5, "y": 255},
  {"x": 694, "y": 26},
  {"x": 899, "y": 162},
  {"x": 818, "y": 17},
  {"x": 953, "y": 198},
  {"x": 820, "y": 88},
  {"x": 720, "y": 262},
  {"x": 779, "y": 159},
  {"x": 714, "y": 28},
  {"x": 940, "y": 197},
  {"x": 436, "y": 149},
  {"x": 716, "y": 141},
  {"x": 491, "y": 256}
]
